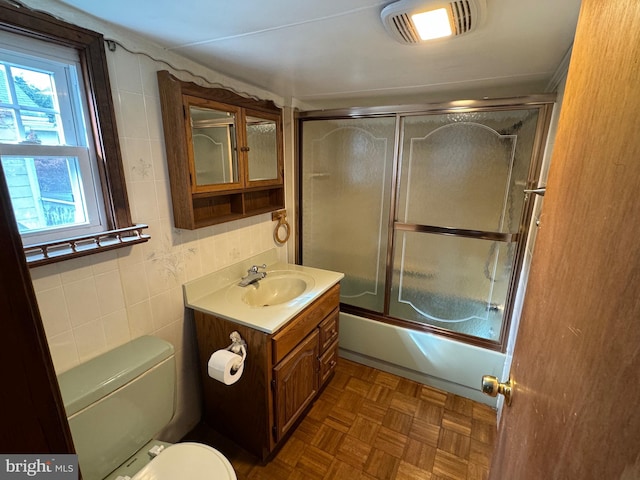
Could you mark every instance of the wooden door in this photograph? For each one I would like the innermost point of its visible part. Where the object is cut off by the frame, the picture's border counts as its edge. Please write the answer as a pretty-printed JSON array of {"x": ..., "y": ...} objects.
[
  {"x": 576, "y": 404},
  {"x": 32, "y": 416}
]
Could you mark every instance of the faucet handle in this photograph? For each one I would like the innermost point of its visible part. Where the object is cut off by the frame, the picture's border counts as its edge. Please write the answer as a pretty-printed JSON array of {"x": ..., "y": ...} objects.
[{"x": 254, "y": 268}]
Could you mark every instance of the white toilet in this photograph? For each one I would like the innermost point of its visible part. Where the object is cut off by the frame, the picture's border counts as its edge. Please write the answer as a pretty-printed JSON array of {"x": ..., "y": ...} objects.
[{"x": 117, "y": 402}]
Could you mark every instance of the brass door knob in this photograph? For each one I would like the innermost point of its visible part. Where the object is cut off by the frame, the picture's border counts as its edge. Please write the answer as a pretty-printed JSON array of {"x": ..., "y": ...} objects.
[{"x": 492, "y": 386}]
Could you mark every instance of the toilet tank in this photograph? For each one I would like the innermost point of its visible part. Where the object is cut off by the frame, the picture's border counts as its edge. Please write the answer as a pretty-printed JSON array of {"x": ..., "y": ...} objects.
[{"x": 118, "y": 401}]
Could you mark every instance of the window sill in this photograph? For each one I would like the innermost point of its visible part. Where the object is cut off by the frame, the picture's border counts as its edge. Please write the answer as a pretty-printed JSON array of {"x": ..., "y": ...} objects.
[{"x": 51, "y": 252}]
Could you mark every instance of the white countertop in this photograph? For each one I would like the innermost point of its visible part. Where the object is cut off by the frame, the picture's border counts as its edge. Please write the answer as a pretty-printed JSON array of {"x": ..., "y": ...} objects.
[{"x": 217, "y": 293}]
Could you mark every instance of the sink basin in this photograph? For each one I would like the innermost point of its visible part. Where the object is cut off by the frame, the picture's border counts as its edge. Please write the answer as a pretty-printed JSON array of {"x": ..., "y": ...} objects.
[
  {"x": 267, "y": 306},
  {"x": 276, "y": 288}
]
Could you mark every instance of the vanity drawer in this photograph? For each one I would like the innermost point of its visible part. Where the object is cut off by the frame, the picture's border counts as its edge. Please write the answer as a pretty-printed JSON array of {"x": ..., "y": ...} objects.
[
  {"x": 329, "y": 329},
  {"x": 328, "y": 362},
  {"x": 297, "y": 329}
]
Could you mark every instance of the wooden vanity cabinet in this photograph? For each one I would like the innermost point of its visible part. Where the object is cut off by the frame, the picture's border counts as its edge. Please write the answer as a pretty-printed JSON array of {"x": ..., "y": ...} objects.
[
  {"x": 283, "y": 374},
  {"x": 236, "y": 172}
]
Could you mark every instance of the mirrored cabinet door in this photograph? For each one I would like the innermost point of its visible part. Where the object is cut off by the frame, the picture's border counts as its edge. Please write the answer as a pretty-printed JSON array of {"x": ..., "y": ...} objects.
[
  {"x": 263, "y": 148},
  {"x": 212, "y": 138},
  {"x": 224, "y": 153}
]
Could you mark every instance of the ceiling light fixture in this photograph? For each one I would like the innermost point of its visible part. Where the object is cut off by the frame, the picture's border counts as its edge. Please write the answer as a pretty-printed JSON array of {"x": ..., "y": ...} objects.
[
  {"x": 432, "y": 24},
  {"x": 416, "y": 21}
]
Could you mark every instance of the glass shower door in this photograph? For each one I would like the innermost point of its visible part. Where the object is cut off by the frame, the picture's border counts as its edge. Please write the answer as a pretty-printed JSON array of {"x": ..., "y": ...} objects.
[
  {"x": 424, "y": 212},
  {"x": 346, "y": 184},
  {"x": 459, "y": 207}
]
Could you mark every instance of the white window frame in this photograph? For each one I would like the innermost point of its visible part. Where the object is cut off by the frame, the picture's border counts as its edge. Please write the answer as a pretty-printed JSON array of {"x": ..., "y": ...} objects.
[{"x": 63, "y": 63}]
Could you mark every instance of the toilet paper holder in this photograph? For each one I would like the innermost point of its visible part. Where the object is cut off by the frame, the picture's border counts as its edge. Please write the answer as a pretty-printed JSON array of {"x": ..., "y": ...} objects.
[{"x": 238, "y": 346}]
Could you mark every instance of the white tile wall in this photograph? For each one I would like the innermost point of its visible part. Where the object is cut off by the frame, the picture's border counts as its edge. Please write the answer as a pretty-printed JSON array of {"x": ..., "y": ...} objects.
[{"x": 92, "y": 304}]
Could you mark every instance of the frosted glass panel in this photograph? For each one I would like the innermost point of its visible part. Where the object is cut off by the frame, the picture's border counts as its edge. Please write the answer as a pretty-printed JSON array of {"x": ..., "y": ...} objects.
[
  {"x": 263, "y": 149},
  {"x": 466, "y": 170},
  {"x": 346, "y": 184},
  {"x": 456, "y": 283}
]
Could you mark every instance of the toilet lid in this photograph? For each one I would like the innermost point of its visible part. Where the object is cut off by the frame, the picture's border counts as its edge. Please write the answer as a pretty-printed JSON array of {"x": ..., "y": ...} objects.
[{"x": 187, "y": 461}]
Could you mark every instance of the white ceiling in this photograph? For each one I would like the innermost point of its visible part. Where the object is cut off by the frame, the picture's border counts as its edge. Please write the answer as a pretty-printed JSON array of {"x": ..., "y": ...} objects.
[{"x": 331, "y": 50}]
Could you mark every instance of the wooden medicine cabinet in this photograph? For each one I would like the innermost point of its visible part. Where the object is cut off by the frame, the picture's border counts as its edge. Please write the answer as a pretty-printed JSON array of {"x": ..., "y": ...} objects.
[{"x": 224, "y": 153}]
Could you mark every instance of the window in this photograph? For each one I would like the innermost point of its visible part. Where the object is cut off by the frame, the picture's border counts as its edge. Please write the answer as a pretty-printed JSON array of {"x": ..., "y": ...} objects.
[
  {"x": 48, "y": 165},
  {"x": 58, "y": 141}
]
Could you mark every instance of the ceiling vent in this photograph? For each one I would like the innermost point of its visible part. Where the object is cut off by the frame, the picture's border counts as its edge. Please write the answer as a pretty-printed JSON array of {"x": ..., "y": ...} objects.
[{"x": 464, "y": 17}]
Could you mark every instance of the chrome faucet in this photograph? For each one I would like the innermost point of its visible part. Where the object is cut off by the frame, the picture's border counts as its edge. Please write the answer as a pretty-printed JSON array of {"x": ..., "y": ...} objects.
[{"x": 253, "y": 275}]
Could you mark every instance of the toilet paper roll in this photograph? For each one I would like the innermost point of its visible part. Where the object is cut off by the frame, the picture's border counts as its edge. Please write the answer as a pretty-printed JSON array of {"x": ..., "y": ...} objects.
[{"x": 221, "y": 366}]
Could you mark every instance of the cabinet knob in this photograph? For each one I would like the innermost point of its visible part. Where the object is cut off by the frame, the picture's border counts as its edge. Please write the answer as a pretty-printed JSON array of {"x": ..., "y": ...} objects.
[{"x": 244, "y": 149}]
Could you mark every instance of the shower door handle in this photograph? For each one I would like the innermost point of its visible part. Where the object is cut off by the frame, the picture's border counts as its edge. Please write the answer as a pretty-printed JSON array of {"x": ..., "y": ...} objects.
[{"x": 538, "y": 191}]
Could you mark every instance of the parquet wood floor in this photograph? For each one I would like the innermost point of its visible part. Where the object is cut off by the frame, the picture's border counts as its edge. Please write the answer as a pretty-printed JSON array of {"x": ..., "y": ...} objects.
[{"x": 368, "y": 424}]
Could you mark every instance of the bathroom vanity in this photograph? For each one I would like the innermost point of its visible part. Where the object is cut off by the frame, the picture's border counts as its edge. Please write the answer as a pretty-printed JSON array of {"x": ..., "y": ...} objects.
[{"x": 292, "y": 351}]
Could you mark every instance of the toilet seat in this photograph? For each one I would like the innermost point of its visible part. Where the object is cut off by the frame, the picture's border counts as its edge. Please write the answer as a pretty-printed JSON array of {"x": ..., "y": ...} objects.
[{"x": 188, "y": 461}]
